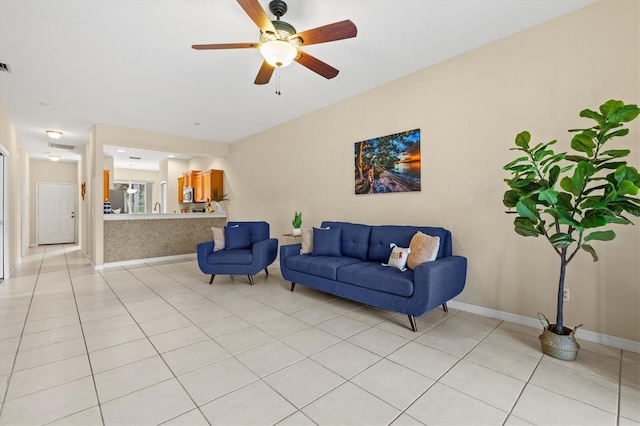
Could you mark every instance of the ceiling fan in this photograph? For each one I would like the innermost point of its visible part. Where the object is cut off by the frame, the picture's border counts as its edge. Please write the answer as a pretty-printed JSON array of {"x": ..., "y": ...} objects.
[{"x": 279, "y": 42}]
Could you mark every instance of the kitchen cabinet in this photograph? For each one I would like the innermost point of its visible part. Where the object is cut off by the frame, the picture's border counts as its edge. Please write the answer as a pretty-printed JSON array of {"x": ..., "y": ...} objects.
[
  {"x": 105, "y": 185},
  {"x": 204, "y": 183},
  {"x": 180, "y": 188},
  {"x": 207, "y": 182}
]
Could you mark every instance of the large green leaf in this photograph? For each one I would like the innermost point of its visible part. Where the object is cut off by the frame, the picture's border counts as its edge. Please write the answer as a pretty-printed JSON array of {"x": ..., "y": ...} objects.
[
  {"x": 600, "y": 236},
  {"x": 525, "y": 227},
  {"x": 616, "y": 153},
  {"x": 567, "y": 184},
  {"x": 587, "y": 247},
  {"x": 587, "y": 113},
  {"x": 627, "y": 188},
  {"x": 523, "y": 139},
  {"x": 561, "y": 240},
  {"x": 510, "y": 198},
  {"x": 623, "y": 114},
  {"x": 527, "y": 208},
  {"x": 514, "y": 162},
  {"x": 583, "y": 143},
  {"x": 608, "y": 107},
  {"x": 593, "y": 221},
  {"x": 549, "y": 195},
  {"x": 554, "y": 173}
]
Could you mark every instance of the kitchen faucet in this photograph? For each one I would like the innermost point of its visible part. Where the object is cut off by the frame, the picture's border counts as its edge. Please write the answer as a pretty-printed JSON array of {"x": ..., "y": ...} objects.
[{"x": 158, "y": 206}]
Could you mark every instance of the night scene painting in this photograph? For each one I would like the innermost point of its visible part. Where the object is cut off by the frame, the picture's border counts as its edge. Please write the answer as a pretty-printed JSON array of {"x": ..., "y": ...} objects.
[{"x": 388, "y": 163}]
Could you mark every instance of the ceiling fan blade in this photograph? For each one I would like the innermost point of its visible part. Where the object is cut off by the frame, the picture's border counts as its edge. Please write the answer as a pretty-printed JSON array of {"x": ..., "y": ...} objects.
[
  {"x": 257, "y": 15},
  {"x": 316, "y": 65},
  {"x": 331, "y": 32},
  {"x": 264, "y": 74},
  {"x": 224, "y": 46}
]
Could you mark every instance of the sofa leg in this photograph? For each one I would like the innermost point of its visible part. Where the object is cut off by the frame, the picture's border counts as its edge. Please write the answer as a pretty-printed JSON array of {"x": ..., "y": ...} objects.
[
  {"x": 412, "y": 321},
  {"x": 444, "y": 306},
  {"x": 293, "y": 285},
  {"x": 211, "y": 280},
  {"x": 250, "y": 279},
  {"x": 266, "y": 271}
]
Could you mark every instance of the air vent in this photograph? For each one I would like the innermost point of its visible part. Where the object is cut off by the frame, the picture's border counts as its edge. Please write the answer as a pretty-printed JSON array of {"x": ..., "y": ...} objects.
[
  {"x": 5, "y": 67},
  {"x": 135, "y": 158},
  {"x": 61, "y": 146}
]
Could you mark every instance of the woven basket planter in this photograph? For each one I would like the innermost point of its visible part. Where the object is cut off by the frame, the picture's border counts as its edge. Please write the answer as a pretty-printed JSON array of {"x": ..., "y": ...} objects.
[{"x": 563, "y": 347}]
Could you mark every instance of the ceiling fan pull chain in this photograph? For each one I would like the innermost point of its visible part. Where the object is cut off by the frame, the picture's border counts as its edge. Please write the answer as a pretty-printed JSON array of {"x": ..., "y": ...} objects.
[{"x": 278, "y": 82}]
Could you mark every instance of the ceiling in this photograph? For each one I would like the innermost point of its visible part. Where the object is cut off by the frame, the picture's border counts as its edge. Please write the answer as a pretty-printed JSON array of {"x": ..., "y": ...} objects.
[{"x": 76, "y": 63}]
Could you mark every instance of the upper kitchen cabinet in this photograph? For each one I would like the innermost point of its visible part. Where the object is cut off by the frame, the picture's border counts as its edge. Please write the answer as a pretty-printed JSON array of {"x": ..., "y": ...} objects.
[
  {"x": 205, "y": 183},
  {"x": 105, "y": 185}
]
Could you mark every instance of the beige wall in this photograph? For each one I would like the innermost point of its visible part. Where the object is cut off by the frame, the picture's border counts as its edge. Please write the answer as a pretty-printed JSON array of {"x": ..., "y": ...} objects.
[
  {"x": 17, "y": 208},
  {"x": 469, "y": 110}
]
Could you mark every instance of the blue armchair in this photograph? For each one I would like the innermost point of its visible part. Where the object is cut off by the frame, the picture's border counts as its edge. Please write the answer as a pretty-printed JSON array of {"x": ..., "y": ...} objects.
[{"x": 248, "y": 249}]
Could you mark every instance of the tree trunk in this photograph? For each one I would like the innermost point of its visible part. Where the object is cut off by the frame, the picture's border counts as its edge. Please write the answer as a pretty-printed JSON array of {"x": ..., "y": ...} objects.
[{"x": 560, "y": 313}]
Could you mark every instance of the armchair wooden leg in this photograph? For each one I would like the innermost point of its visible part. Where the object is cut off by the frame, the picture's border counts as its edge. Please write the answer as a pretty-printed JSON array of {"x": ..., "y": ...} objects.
[
  {"x": 412, "y": 321},
  {"x": 211, "y": 280},
  {"x": 250, "y": 279},
  {"x": 293, "y": 285},
  {"x": 266, "y": 271},
  {"x": 444, "y": 306}
]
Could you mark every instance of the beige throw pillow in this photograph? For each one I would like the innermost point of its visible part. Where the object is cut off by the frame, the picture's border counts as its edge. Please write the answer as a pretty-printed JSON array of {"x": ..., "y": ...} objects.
[
  {"x": 307, "y": 241},
  {"x": 424, "y": 248},
  {"x": 218, "y": 238}
]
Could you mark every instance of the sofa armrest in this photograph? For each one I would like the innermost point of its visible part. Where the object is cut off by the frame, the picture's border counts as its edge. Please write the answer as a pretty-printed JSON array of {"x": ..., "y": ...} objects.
[
  {"x": 264, "y": 252},
  {"x": 289, "y": 250},
  {"x": 204, "y": 250},
  {"x": 439, "y": 281}
]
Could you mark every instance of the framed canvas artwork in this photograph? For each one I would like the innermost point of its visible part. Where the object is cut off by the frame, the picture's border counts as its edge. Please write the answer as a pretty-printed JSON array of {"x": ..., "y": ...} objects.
[{"x": 388, "y": 163}]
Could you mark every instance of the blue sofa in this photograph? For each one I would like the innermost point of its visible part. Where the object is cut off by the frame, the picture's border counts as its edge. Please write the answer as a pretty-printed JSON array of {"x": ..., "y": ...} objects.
[
  {"x": 357, "y": 272},
  {"x": 245, "y": 253}
]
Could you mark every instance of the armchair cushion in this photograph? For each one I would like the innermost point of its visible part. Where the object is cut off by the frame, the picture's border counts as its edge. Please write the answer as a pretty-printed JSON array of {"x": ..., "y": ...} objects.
[{"x": 237, "y": 237}]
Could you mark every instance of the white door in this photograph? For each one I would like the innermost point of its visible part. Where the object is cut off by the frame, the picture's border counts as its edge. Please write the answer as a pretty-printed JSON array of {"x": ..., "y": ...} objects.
[{"x": 55, "y": 207}]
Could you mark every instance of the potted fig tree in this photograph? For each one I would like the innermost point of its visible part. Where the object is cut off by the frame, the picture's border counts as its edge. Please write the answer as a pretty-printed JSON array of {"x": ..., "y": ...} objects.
[{"x": 573, "y": 199}]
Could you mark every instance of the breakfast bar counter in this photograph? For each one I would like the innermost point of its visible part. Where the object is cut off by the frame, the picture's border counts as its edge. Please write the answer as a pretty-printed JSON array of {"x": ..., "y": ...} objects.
[{"x": 130, "y": 237}]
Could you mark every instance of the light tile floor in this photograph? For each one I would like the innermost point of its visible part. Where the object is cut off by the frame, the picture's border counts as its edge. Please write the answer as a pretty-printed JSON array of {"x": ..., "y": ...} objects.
[{"x": 156, "y": 343}]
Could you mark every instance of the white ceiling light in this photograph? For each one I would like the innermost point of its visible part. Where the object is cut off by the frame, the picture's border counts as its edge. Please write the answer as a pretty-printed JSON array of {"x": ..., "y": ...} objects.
[
  {"x": 54, "y": 157},
  {"x": 278, "y": 53},
  {"x": 53, "y": 134}
]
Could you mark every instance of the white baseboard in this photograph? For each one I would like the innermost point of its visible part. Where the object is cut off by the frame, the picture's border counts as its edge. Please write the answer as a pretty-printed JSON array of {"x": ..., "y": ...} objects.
[
  {"x": 591, "y": 336},
  {"x": 148, "y": 260}
]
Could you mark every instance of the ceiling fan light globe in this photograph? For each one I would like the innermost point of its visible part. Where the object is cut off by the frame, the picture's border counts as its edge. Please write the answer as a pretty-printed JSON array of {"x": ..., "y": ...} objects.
[{"x": 278, "y": 53}]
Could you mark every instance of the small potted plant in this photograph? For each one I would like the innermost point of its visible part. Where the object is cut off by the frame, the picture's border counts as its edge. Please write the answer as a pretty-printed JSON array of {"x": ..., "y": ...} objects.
[
  {"x": 297, "y": 223},
  {"x": 565, "y": 199},
  {"x": 217, "y": 199}
]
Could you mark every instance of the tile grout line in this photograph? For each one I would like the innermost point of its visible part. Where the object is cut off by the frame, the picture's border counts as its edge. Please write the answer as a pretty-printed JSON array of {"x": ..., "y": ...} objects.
[
  {"x": 93, "y": 377},
  {"x": 35, "y": 284}
]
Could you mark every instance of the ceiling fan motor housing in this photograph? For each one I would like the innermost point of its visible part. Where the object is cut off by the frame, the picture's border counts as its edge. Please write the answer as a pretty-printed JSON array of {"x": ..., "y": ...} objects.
[{"x": 278, "y": 8}]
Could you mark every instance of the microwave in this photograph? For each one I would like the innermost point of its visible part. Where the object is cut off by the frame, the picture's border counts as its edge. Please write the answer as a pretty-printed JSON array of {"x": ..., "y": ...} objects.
[{"x": 187, "y": 195}]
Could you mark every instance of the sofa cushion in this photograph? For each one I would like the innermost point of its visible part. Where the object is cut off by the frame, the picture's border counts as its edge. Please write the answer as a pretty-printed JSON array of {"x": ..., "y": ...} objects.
[
  {"x": 228, "y": 257},
  {"x": 424, "y": 248},
  {"x": 321, "y": 266},
  {"x": 237, "y": 237},
  {"x": 382, "y": 236},
  {"x": 218, "y": 238},
  {"x": 326, "y": 242},
  {"x": 354, "y": 240},
  {"x": 306, "y": 247},
  {"x": 374, "y": 276},
  {"x": 398, "y": 257}
]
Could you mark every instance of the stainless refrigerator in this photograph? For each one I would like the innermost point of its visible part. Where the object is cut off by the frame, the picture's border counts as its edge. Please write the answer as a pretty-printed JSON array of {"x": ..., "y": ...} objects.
[{"x": 118, "y": 198}]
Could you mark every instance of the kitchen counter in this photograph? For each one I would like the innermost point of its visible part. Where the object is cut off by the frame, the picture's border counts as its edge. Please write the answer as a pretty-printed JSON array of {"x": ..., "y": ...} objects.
[
  {"x": 129, "y": 237},
  {"x": 155, "y": 216}
]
